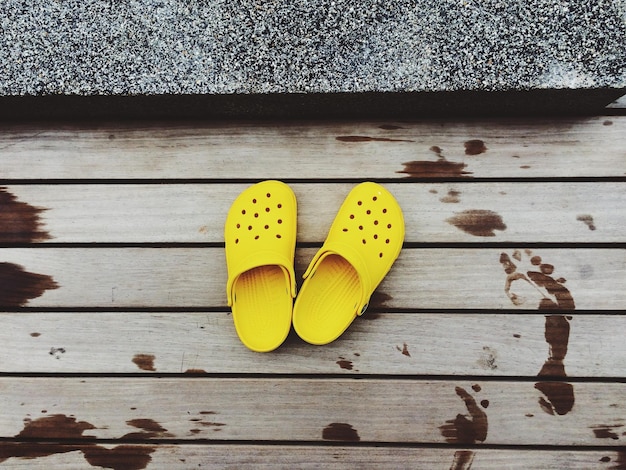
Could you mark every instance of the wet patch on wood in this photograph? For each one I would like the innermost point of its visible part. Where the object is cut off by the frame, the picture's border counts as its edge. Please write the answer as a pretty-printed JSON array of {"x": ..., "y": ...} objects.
[
  {"x": 442, "y": 168},
  {"x": 478, "y": 222},
  {"x": 404, "y": 350},
  {"x": 18, "y": 286},
  {"x": 122, "y": 457},
  {"x": 366, "y": 138},
  {"x": 462, "y": 460},
  {"x": 344, "y": 363},
  {"x": 19, "y": 221},
  {"x": 390, "y": 127},
  {"x": 474, "y": 147},
  {"x": 196, "y": 372},
  {"x": 605, "y": 431},
  {"x": 587, "y": 219},
  {"x": 144, "y": 361},
  {"x": 488, "y": 358},
  {"x": 377, "y": 300},
  {"x": 340, "y": 432},
  {"x": 466, "y": 429},
  {"x": 452, "y": 197},
  {"x": 149, "y": 429}
]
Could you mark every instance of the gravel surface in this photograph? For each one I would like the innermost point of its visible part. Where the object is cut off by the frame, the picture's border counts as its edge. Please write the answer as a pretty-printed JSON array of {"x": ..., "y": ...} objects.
[{"x": 107, "y": 47}]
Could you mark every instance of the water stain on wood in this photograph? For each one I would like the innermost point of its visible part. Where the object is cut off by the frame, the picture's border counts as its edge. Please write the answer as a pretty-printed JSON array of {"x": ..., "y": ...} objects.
[
  {"x": 463, "y": 460},
  {"x": 212, "y": 424},
  {"x": 587, "y": 219},
  {"x": 464, "y": 429},
  {"x": 340, "y": 432},
  {"x": 365, "y": 138},
  {"x": 404, "y": 350},
  {"x": 149, "y": 429},
  {"x": 441, "y": 168},
  {"x": 19, "y": 221},
  {"x": 476, "y": 387},
  {"x": 484, "y": 403},
  {"x": 488, "y": 358},
  {"x": 18, "y": 286},
  {"x": 35, "y": 334},
  {"x": 452, "y": 197},
  {"x": 478, "y": 222},
  {"x": 344, "y": 364},
  {"x": 122, "y": 457},
  {"x": 604, "y": 431},
  {"x": 146, "y": 424},
  {"x": 607, "y": 123},
  {"x": 57, "y": 352},
  {"x": 144, "y": 361},
  {"x": 474, "y": 147},
  {"x": 525, "y": 167},
  {"x": 57, "y": 426},
  {"x": 196, "y": 371},
  {"x": 377, "y": 300},
  {"x": 390, "y": 127},
  {"x": 620, "y": 460}
]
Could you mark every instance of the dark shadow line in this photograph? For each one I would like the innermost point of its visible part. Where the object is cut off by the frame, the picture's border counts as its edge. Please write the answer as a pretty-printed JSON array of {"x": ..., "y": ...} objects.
[
  {"x": 248, "y": 181},
  {"x": 346, "y": 376}
]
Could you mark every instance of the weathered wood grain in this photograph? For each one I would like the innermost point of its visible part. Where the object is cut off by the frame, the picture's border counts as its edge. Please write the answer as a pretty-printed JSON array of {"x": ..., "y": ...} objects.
[
  {"x": 453, "y": 212},
  {"x": 314, "y": 457},
  {"x": 361, "y": 150},
  {"x": 421, "y": 278},
  {"x": 266, "y": 409},
  {"x": 512, "y": 345}
]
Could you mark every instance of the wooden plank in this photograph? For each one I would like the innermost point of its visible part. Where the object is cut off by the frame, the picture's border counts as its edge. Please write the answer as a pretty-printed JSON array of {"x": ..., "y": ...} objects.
[
  {"x": 366, "y": 410},
  {"x": 421, "y": 278},
  {"x": 61, "y": 457},
  {"x": 591, "y": 146},
  {"x": 619, "y": 103},
  {"x": 184, "y": 213},
  {"x": 408, "y": 344}
]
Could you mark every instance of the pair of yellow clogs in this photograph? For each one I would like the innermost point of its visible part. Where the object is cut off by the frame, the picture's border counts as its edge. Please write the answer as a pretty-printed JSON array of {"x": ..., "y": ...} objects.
[{"x": 260, "y": 233}]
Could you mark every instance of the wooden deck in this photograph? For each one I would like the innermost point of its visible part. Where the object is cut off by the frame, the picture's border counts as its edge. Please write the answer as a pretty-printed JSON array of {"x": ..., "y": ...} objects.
[{"x": 497, "y": 340}]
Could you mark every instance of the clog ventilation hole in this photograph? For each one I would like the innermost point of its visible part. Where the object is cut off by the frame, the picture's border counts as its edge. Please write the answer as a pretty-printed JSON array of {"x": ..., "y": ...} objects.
[
  {"x": 258, "y": 217},
  {"x": 372, "y": 227}
]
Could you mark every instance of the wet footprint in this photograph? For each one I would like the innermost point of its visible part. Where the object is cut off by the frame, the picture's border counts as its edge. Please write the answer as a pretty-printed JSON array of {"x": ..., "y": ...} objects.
[
  {"x": 551, "y": 294},
  {"x": 464, "y": 429}
]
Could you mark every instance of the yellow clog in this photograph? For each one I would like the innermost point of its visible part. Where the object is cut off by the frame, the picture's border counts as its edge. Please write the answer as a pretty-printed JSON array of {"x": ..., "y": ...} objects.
[
  {"x": 363, "y": 242},
  {"x": 260, "y": 236}
]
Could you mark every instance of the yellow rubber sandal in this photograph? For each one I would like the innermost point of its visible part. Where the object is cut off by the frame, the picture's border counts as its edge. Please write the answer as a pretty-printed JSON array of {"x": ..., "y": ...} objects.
[
  {"x": 363, "y": 242},
  {"x": 260, "y": 236}
]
